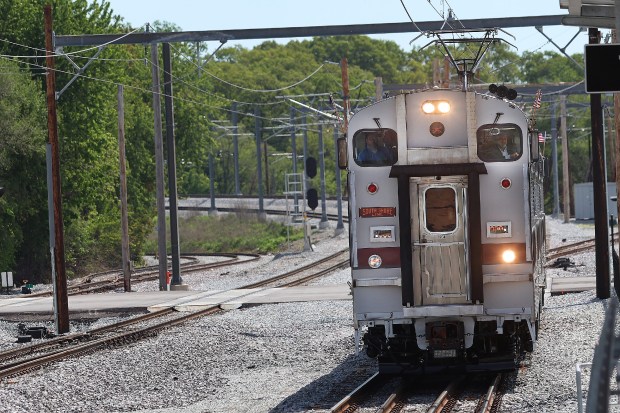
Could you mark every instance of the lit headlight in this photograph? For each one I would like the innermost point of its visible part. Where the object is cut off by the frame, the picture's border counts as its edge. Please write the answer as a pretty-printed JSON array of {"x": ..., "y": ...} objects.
[
  {"x": 443, "y": 106},
  {"x": 428, "y": 107},
  {"x": 436, "y": 106},
  {"x": 508, "y": 256},
  {"x": 374, "y": 261}
]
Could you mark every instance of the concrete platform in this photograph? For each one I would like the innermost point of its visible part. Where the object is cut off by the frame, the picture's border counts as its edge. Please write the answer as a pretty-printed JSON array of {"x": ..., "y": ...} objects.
[
  {"x": 560, "y": 285},
  {"x": 98, "y": 304}
]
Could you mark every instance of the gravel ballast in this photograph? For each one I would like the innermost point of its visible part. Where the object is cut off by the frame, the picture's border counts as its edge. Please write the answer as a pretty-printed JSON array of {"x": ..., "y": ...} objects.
[{"x": 289, "y": 357}]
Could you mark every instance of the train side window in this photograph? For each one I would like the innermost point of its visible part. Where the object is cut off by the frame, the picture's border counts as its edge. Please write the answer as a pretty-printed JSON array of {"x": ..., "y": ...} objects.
[
  {"x": 375, "y": 147},
  {"x": 499, "y": 143},
  {"x": 440, "y": 206}
]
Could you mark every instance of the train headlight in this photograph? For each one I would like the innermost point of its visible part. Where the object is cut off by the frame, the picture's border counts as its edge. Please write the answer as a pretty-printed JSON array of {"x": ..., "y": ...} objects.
[
  {"x": 428, "y": 107},
  {"x": 505, "y": 183},
  {"x": 443, "y": 106},
  {"x": 436, "y": 106},
  {"x": 374, "y": 261},
  {"x": 508, "y": 256}
]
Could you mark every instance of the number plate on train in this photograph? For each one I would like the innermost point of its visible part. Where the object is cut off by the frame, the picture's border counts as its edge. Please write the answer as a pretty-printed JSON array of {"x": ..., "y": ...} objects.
[
  {"x": 382, "y": 234},
  {"x": 444, "y": 354},
  {"x": 499, "y": 229}
]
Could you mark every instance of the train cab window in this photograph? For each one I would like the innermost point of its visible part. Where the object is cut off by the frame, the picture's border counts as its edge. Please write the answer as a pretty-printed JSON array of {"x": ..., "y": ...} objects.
[
  {"x": 499, "y": 143},
  {"x": 440, "y": 209},
  {"x": 375, "y": 147}
]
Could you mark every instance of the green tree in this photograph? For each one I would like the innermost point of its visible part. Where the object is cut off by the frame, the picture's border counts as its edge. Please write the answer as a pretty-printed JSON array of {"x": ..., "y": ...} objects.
[{"x": 23, "y": 212}]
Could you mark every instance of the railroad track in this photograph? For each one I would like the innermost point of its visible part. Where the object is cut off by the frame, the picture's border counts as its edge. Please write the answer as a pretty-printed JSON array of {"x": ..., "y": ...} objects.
[
  {"x": 478, "y": 393},
  {"x": 23, "y": 359},
  {"x": 572, "y": 249},
  {"x": 110, "y": 280}
]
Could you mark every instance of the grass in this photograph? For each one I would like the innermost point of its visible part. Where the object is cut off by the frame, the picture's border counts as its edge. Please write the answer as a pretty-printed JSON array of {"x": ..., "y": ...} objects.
[{"x": 241, "y": 233}]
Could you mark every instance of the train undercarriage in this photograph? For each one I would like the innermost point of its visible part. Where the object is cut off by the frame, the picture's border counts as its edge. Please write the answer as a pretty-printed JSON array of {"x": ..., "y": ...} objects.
[{"x": 447, "y": 351}]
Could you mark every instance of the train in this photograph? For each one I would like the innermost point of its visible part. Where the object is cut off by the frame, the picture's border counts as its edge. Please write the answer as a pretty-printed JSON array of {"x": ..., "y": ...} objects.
[{"x": 447, "y": 228}]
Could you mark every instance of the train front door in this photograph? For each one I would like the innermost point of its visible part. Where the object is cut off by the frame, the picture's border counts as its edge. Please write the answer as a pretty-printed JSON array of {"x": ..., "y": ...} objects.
[{"x": 439, "y": 231}]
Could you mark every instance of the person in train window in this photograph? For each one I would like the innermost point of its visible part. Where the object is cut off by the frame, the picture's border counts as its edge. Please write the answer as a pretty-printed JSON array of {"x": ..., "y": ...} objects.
[
  {"x": 374, "y": 153},
  {"x": 500, "y": 149}
]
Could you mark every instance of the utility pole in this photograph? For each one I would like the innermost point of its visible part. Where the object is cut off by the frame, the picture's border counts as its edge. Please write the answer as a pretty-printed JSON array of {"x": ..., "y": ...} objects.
[
  {"x": 565, "y": 173},
  {"x": 176, "y": 282},
  {"x": 57, "y": 244},
  {"x": 554, "y": 161},
  {"x": 340, "y": 224},
  {"x": 378, "y": 88},
  {"x": 159, "y": 171},
  {"x": 344, "y": 70},
  {"x": 617, "y": 120},
  {"x": 446, "y": 72},
  {"x": 236, "y": 147},
  {"x": 599, "y": 184},
  {"x": 259, "y": 169},
  {"x": 266, "y": 156},
  {"x": 123, "y": 192}
]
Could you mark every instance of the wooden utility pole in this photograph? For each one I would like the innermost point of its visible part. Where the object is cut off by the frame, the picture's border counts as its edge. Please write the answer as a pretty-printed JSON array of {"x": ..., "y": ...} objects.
[
  {"x": 446, "y": 72},
  {"x": 123, "y": 192},
  {"x": 378, "y": 88},
  {"x": 437, "y": 80},
  {"x": 565, "y": 173},
  {"x": 344, "y": 70},
  {"x": 61, "y": 301}
]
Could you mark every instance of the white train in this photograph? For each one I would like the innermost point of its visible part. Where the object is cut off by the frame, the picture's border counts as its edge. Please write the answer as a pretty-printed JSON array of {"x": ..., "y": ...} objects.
[{"x": 447, "y": 230}]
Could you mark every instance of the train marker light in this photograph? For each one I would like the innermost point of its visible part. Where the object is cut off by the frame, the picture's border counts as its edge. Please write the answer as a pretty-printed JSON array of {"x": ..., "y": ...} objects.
[
  {"x": 506, "y": 183},
  {"x": 436, "y": 106},
  {"x": 372, "y": 188},
  {"x": 508, "y": 256},
  {"x": 375, "y": 261}
]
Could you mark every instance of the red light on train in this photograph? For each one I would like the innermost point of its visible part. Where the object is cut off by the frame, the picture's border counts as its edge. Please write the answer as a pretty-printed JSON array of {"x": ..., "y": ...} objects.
[
  {"x": 506, "y": 183},
  {"x": 372, "y": 188}
]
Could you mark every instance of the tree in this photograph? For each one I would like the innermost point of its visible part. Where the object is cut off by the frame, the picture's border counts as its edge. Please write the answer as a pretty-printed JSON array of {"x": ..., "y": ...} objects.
[{"x": 24, "y": 234}]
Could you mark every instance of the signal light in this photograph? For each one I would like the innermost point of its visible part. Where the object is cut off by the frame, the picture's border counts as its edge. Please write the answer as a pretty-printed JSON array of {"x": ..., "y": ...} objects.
[
  {"x": 372, "y": 188},
  {"x": 311, "y": 167},
  {"x": 313, "y": 198},
  {"x": 503, "y": 92},
  {"x": 506, "y": 183}
]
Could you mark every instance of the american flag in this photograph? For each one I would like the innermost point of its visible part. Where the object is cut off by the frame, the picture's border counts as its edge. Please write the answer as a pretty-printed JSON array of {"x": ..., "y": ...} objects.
[
  {"x": 541, "y": 137},
  {"x": 537, "y": 100}
]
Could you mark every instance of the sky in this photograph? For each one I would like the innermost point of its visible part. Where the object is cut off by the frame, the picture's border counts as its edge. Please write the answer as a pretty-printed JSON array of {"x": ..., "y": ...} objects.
[{"x": 208, "y": 15}]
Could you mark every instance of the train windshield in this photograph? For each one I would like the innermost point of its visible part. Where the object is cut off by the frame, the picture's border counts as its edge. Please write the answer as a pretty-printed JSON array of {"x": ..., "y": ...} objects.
[
  {"x": 499, "y": 142},
  {"x": 375, "y": 147}
]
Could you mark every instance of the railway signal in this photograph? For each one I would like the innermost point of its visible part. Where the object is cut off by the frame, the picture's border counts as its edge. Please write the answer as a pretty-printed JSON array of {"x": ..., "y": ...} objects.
[
  {"x": 313, "y": 198},
  {"x": 311, "y": 167}
]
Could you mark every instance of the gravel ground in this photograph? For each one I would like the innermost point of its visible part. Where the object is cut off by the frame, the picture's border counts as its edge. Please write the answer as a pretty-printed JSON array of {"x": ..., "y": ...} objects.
[{"x": 291, "y": 357}]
